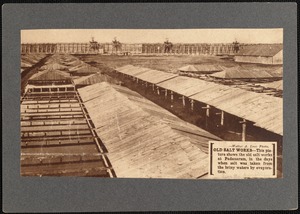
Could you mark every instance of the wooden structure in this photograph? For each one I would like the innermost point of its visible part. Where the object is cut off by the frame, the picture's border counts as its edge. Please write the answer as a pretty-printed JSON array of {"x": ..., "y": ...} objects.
[
  {"x": 132, "y": 48},
  {"x": 265, "y": 54},
  {"x": 57, "y": 138},
  {"x": 260, "y": 110},
  {"x": 199, "y": 70},
  {"x": 142, "y": 139},
  {"x": 49, "y": 77},
  {"x": 247, "y": 74},
  {"x": 278, "y": 85},
  {"x": 92, "y": 79},
  {"x": 27, "y": 61},
  {"x": 57, "y": 135}
]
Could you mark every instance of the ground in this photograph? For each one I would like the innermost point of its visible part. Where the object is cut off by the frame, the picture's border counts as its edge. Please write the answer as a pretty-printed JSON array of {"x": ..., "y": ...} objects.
[{"x": 166, "y": 63}]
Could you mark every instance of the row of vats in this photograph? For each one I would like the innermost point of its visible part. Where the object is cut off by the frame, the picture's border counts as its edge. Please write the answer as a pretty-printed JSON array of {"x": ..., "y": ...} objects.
[
  {"x": 66, "y": 133},
  {"x": 229, "y": 112},
  {"x": 80, "y": 132},
  {"x": 262, "y": 110},
  {"x": 57, "y": 136},
  {"x": 266, "y": 79}
]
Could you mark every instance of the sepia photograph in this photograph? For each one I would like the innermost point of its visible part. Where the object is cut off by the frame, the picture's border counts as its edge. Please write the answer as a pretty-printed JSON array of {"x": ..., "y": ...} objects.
[{"x": 152, "y": 103}]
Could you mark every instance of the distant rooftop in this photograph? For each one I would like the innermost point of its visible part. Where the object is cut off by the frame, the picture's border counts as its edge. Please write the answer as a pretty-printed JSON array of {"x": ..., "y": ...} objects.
[{"x": 260, "y": 50}]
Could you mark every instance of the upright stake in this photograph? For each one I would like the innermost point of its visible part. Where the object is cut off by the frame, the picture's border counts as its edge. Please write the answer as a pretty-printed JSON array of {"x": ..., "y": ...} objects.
[
  {"x": 183, "y": 101},
  {"x": 222, "y": 118},
  {"x": 158, "y": 92},
  {"x": 244, "y": 130},
  {"x": 192, "y": 105},
  {"x": 207, "y": 110},
  {"x": 206, "y": 115}
]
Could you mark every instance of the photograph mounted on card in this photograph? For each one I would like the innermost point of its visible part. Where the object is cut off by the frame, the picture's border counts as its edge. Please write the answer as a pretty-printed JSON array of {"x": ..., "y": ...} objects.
[{"x": 152, "y": 103}]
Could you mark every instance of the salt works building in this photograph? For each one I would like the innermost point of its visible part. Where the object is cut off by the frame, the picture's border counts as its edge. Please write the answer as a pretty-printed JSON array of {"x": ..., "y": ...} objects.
[
  {"x": 76, "y": 125},
  {"x": 262, "y": 54}
]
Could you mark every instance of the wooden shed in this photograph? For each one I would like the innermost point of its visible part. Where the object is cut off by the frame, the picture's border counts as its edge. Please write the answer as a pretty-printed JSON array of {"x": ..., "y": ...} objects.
[{"x": 262, "y": 54}]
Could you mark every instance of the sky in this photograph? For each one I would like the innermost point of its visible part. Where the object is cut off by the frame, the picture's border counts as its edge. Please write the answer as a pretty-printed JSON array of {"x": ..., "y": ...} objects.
[{"x": 270, "y": 35}]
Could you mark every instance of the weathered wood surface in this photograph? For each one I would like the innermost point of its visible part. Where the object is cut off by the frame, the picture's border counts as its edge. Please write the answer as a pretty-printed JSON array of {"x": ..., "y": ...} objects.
[
  {"x": 140, "y": 142},
  {"x": 56, "y": 139},
  {"x": 263, "y": 110}
]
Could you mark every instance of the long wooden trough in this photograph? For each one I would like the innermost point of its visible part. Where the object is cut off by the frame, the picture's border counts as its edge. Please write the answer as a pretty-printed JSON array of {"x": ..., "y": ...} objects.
[
  {"x": 57, "y": 138},
  {"x": 263, "y": 110}
]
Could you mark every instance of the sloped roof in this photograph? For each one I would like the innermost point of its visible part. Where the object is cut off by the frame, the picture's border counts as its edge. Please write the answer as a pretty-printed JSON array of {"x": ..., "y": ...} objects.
[
  {"x": 155, "y": 77},
  {"x": 264, "y": 110},
  {"x": 275, "y": 85},
  {"x": 25, "y": 65},
  {"x": 54, "y": 66},
  {"x": 87, "y": 69},
  {"x": 139, "y": 143},
  {"x": 146, "y": 74},
  {"x": 188, "y": 68},
  {"x": 31, "y": 59},
  {"x": 77, "y": 66},
  {"x": 132, "y": 70},
  {"x": 260, "y": 50},
  {"x": 92, "y": 79},
  {"x": 241, "y": 73},
  {"x": 198, "y": 136},
  {"x": 276, "y": 72},
  {"x": 202, "y": 68},
  {"x": 50, "y": 75}
]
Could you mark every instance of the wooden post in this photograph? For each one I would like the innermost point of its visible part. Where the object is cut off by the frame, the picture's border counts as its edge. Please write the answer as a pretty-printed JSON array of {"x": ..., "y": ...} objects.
[
  {"x": 166, "y": 93},
  {"x": 172, "y": 96},
  {"x": 153, "y": 87},
  {"x": 207, "y": 110},
  {"x": 158, "y": 92},
  {"x": 183, "y": 101},
  {"x": 243, "y": 129},
  {"x": 222, "y": 117},
  {"x": 207, "y": 115},
  {"x": 192, "y": 105}
]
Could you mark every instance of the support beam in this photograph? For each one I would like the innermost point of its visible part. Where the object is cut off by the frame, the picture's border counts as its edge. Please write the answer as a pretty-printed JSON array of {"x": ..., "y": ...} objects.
[
  {"x": 243, "y": 122},
  {"x": 222, "y": 117},
  {"x": 192, "y": 105},
  {"x": 206, "y": 115}
]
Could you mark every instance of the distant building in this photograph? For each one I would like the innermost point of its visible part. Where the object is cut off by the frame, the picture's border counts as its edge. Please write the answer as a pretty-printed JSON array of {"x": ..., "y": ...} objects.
[{"x": 262, "y": 54}]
